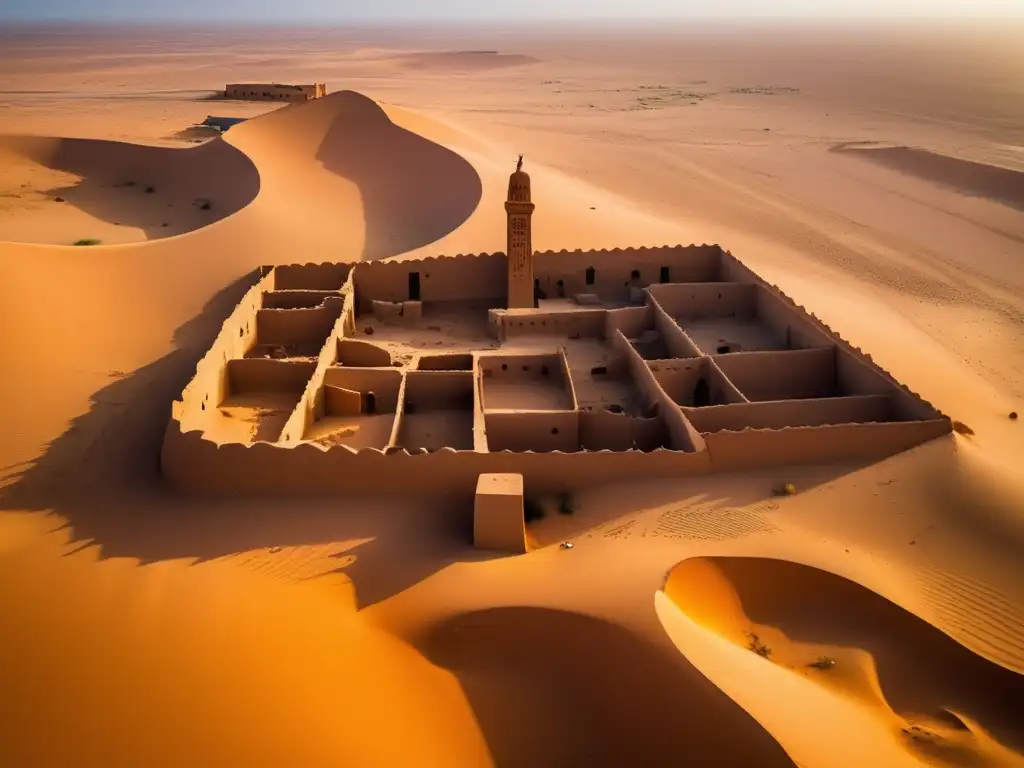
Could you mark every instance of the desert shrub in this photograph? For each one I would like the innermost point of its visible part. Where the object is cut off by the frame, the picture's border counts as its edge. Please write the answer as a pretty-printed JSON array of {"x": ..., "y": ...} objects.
[
  {"x": 88, "y": 241},
  {"x": 758, "y": 647}
]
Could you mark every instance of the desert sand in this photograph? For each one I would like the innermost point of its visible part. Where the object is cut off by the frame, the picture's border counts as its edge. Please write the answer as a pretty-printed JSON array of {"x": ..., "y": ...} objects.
[{"x": 874, "y": 174}]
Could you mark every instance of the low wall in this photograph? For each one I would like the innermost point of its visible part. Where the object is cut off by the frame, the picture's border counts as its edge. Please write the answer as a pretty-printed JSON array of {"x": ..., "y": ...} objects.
[
  {"x": 857, "y": 377},
  {"x": 677, "y": 341},
  {"x": 438, "y": 391},
  {"x": 581, "y": 323},
  {"x": 786, "y": 375},
  {"x": 311, "y": 277},
  {"x": 684, "y": 436},
  {"x": 791, "y": 413},
  {"x": 538, "y": 431},
  {"x": 298, "y": 326},
  {"x": 362, "y": 354},
  {"x": 606, "y": 431},
  {"x": 441, "y": 278},
  {"x": 792, "y": 324},
  {"x": 815, "y": 445},
  {"x": 632, "y": 321},
  {"x": 679, "y": 378},
  {"x": 259, "y": 374},
  {"x": 384, "y": 383},
  {"x": 695, "y": 301},
  {"x": 455, "y": 362}
]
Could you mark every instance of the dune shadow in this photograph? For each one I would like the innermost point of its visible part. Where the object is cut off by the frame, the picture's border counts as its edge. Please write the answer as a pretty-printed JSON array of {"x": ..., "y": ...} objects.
[
  {"x": 920, "y": 669},
  {"x": 163, "y": 191},
  {"x": 414, "y": 191},
  {"x": 1001, "y": 185},
  {"x": 101, "y": 482},
  {"x": 554, "y": 688}
]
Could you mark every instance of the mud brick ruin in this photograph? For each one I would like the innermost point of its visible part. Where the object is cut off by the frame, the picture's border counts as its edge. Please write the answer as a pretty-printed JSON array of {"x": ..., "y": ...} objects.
[{"x": 563, "y": 367}]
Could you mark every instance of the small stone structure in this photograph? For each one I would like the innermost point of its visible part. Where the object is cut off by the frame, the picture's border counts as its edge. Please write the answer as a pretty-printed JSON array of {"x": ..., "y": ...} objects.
[
  {"x": 498, "y": 514},
  {"x": 274, "y": 91},
  {"x": 563, "y": 368}
]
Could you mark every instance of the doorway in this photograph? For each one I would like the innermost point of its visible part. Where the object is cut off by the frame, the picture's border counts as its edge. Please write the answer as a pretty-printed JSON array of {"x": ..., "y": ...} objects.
[
  {"x": 414, "y": 286},
  {"x": 701, "y": 394}
]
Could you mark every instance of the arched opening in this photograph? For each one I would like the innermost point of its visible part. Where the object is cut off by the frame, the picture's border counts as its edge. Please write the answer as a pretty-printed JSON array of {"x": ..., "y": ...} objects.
[
  {"x": 701, "y": 394},
  {"x": 560, "y": 287},
  {"x": 371, "y": 402}
]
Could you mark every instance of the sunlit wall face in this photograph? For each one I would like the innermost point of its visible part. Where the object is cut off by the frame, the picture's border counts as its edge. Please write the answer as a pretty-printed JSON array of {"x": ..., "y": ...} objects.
[{"x": 397, "y": 10}]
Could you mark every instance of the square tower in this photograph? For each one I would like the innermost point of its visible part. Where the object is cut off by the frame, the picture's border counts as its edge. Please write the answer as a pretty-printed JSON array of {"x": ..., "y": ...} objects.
[{"x": 520, "y": 241}]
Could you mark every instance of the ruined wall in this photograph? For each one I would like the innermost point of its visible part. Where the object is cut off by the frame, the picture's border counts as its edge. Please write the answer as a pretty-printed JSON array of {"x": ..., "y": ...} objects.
[
  {"x": 683, "y": 436},
  {"x": 606, "y": 431},
  {"x": 362, "y": 354},
  {"x": 677, "y": 341},
  {"x": 383, "y": 383},
  {"x": 438, "y": 391},
  {"x": 443, "y": 278},
  {"x": 274, "y": 91},
  {"x": 208, "y": 387},
  {"x": 457, "y": 362},
  {"x": 298, "y": 326},
  {"x": 632, "y": 321},
  {"x": 264, "y": 375},
  {"x": 791, "y": 413},
  {"x": 807, "y": 445},
  {"x": 613, "y": 270},
  {"x": 787, "y": 375},
  {"x": 679, "y": 379},
  {"x": 796, "y": 327},
  {"x": 311, "y": 277},
  {"x": 694, "y": 301},
  {"x": 582, "y": 323},
  {"x": 857, "y": 377},
  {"x": 538, "y": 431},
  {"x": 520, "y": 368}
]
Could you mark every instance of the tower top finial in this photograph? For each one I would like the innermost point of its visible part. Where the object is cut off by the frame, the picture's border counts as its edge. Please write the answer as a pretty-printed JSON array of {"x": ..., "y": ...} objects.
[{"x": 519, "y": 165}]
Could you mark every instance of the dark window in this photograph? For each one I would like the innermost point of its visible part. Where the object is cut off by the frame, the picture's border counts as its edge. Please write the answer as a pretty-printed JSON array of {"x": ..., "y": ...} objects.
[
  {"x": 590, "y": 275},
  {"x": 371, "y": 402},
  {"x": 560, "y": 286},
  {"x": 664, "y": 276},
  {"x": 701, "y": 394},
  {"x": 414, "y": 286},
  {"x": 634, "y": 275}
]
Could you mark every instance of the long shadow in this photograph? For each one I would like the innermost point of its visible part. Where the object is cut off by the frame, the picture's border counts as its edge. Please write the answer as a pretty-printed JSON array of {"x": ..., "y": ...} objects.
[
  {"x": 161, "y": 190},
  {"x": 554, "y": 688},
  {"x": 919, "y": 668},
  {"x": 1002, "y": 185},
  {"x": 414, "y": 191},
  {"x": 101, "y": 482}
]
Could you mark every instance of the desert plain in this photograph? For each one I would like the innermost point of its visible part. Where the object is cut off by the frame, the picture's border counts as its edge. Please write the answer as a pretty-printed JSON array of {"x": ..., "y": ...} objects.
[{"x": 875, "y": 617}]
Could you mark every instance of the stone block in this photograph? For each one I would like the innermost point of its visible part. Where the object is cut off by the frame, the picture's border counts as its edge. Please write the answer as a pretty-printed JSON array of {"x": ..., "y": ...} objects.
[
  {"x": 412, "y": 310},
  {"x": 498, "y": 515},
  {"x": 384, "y": 309}
]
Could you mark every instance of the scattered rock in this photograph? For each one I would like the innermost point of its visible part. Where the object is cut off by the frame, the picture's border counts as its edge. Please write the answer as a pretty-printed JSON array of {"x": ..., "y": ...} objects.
[
  {"x": 960, "y": 428},
  {"x": 368, "y": 330},
  {"x": 58, "y": 199},
  {"x": 566, "y": 545},
  {"x": 784, "y": 490},
  {"x": 1013, "y": 415},
  {"x": 275, "y": 550}
]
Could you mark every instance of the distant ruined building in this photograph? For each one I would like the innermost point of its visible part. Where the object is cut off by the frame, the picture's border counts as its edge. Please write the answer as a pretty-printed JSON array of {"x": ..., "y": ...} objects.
[
  {"x": 460, "y": 374},
  {"x": 274, "y": 92}
]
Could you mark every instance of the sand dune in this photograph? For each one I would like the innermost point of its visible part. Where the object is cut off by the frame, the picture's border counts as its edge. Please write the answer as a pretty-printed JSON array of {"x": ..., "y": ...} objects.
[
  {"x": 1003, "y": 185},
  {"x": 455, "y": 61},
  {"x": 947, "y": 704},
  {"x": 118, "y": 192},
  {"x": 539, "y": 682}
]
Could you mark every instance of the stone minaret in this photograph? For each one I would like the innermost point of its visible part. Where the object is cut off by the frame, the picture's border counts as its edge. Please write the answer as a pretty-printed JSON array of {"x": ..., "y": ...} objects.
[{"x": 520, "y": 243}]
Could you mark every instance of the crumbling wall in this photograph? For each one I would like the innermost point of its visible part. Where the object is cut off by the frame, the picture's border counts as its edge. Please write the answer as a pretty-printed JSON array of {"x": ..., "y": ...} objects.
[
  {"x": 606, "y": 431},
  {"x": 538, "y": 431},
  {"x": 208, "y": 386},
  {"x": 684, "y": 436},
  {"x": 679, "y": 380},
  {"x": 677, "y": 341},
  {"x": 791, "y": 413},
  {"x": 805, "y": 445},
  {"x": 259, "y": 374},
  {"x": 311, "y": 277},
  {"x": 274, "y": 91},
  {"x": 298, "y": 326},
  {"x": 582, "y": 323},
  {"x": 297, "y": 299},
  {"x": 442, "y": 278},
  {"x": 613, "y": 269},
  {"x": 789, "y": 375},
  {"x": 632, "y": 321},
  {"x": 700, "y": 301}
]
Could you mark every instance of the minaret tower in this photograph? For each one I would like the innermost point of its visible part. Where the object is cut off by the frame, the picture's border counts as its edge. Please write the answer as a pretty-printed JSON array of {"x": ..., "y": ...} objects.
[{"x": 520, "y": 243}]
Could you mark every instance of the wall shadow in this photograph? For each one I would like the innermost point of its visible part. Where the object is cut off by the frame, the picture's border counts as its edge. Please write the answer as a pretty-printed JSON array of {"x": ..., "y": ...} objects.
[
  {"x": 163, "y": 191},
  {"x": 414, "y": 191},
  {"x": 554, "y": 688},
  {"x": 101, "y": 483}
]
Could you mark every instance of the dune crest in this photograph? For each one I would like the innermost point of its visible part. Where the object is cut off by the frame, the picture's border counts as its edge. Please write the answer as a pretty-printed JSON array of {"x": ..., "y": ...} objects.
[{"x": 942, "y": 703}]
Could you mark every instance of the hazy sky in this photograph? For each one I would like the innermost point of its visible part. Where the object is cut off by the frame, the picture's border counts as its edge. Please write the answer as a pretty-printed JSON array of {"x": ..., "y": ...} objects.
[{"x": 397, "y": 10}]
